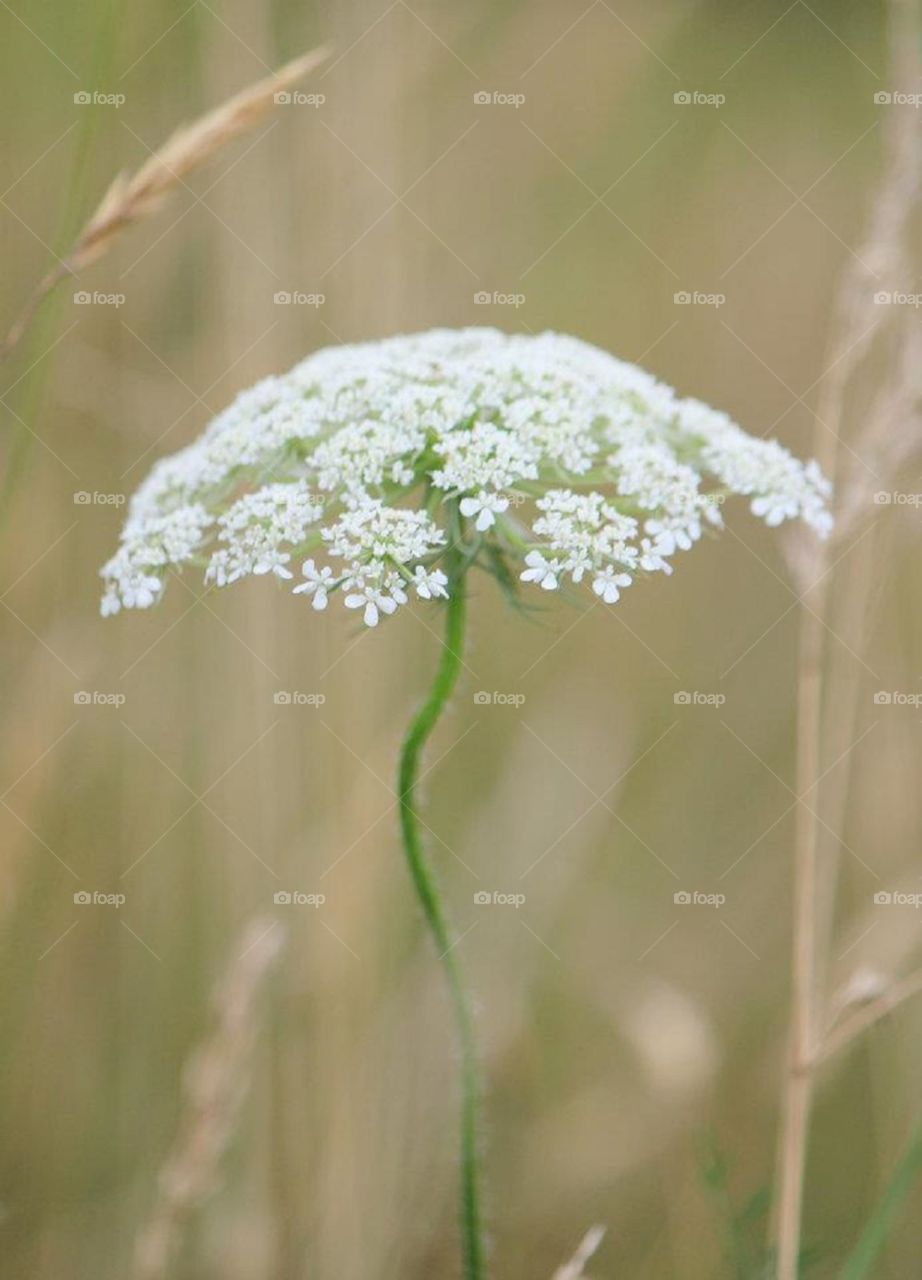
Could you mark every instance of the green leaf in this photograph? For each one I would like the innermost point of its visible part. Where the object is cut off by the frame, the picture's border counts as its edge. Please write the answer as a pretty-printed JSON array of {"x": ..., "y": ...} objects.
[{"x": 875, "y": 1234}]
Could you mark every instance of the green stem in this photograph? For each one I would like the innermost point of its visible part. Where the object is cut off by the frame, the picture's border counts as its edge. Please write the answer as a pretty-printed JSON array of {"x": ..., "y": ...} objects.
[{"x": 427, "y": 890}]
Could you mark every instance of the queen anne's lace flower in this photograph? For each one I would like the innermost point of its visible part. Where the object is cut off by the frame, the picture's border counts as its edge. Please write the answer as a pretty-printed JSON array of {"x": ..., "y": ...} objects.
[{"x": 378, "y": 456}]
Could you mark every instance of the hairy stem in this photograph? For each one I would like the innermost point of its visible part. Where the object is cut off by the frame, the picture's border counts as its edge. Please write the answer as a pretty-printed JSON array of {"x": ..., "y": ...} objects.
[{"x": 430, "y": 899}]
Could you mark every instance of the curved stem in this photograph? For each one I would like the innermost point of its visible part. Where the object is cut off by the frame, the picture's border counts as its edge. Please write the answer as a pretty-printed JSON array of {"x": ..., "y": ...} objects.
[{"x": 428, "y": 893}]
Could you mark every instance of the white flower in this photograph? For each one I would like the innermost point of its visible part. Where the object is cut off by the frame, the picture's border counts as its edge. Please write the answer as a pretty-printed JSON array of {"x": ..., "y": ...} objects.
[
  {"x": 372, "y": 601},
  {"x": 318, "y": 583},
  {"x": 256, "y": 528},
  {"x": 396, "y": 589},
  {"x": 543, "y": 572},
  {"x": 371, "y": 532},
  {"x": 429, "y": 584},
  {"x": 608, "y": 584},
  {"x": 486, "y": 507},
  {"x": 383, "y": 454},
  {"x": 586, "y": 531},
  {"x": 150, "y": 545},
  {"x": 670, "y": 536},
  {"x": 651, "y": 558}
]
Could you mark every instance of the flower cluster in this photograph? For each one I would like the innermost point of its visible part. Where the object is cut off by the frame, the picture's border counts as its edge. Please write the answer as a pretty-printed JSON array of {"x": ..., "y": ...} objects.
[
  {"x": 257, "y": 529},
  {"x": 378, "y": 457}
]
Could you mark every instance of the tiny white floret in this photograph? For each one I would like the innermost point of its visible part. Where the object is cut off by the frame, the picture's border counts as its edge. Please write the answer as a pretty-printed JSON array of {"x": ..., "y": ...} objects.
[
  {"x": 486, "y": 507},
  {"x": 318, "y": 583}
]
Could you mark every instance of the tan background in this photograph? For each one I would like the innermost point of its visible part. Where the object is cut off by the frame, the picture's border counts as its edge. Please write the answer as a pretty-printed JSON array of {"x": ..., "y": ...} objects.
[{"x": 620, "y": 1029}]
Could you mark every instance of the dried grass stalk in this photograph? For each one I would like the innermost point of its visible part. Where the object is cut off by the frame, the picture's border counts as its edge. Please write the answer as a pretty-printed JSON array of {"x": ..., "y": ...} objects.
[
  {"x": 133, "y": 197},
  {"x": 575, "y": 1269},
  {"x": 888, "y": 434},
  {"x": 215, "y": 1083}
]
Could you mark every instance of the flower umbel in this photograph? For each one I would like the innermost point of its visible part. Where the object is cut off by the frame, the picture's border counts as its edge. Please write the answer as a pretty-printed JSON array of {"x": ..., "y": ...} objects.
[
  {"x": 563, "y": 458},
  {"x": 394, "y": 467}
]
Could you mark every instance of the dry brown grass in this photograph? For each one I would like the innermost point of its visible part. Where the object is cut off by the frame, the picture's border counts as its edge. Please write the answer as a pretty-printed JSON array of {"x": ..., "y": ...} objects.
[
  {"x": 878, "y": 347},
  {"x": 575, "y": 1269},
  {"x": 133, "y": 197},
  {"x": 216, "y": 1081}
]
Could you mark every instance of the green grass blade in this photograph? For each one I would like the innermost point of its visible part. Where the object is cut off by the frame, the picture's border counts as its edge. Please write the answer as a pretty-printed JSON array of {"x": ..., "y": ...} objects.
[{"x": 875, "y": 1234}]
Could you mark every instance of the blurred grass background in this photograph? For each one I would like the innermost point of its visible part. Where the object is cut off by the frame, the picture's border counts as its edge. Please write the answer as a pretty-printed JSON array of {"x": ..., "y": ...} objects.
[{"x": 619, "y": 1028}]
